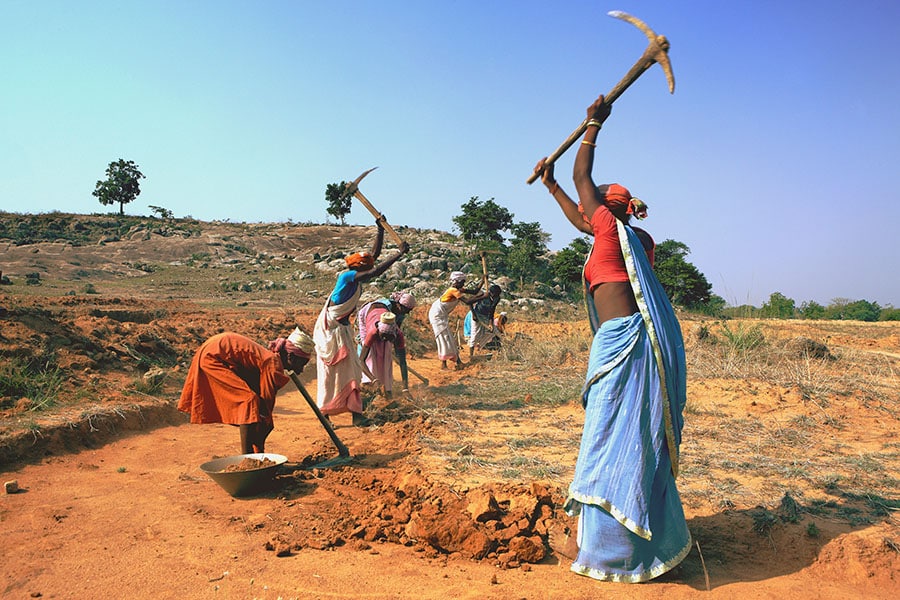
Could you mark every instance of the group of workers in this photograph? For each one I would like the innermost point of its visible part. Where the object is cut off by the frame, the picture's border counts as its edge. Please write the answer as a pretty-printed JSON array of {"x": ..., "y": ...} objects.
[
  {"x": 234, "y": 380},
  {"x": 631, "y": 524}
]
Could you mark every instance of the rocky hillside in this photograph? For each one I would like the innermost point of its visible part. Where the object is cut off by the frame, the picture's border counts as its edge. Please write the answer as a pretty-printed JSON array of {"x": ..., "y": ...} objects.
[
  {"x": 102, "y": 311},
  {"x": 277, "y": 263}
]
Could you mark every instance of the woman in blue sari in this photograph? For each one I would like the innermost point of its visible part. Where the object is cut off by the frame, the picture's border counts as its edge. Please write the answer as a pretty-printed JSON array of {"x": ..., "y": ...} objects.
[{"x": 631, "y": 524}]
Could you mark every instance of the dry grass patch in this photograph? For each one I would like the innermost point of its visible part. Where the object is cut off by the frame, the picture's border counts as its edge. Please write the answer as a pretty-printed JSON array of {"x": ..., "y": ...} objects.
[
  {"x": 513, "y": 417},
  {"x": 769, "y": 417}
]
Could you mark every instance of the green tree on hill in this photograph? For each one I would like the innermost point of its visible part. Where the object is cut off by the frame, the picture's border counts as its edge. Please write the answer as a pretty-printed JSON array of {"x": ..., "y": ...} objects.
[
  {"x": 889, "y": 313},
  {"x": 842, "y": 309},
  {"x": 122, "y": 184},
  {"x": 339, "y": 202},
  {"x": 812, "y": 310},
  {"x": 528, "y": 244},
  {"x": 685, "y": 285},
  {"x": 483, "y": 222},
  {"x": 568, "y": 263}
]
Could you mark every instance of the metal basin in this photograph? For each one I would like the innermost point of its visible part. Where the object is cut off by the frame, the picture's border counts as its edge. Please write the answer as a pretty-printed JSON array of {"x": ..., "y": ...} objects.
[{"x": 243, "y": 483}]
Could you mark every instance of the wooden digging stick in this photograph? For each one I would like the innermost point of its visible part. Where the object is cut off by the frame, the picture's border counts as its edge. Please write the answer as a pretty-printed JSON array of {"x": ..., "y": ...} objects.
[
  {"x": 483, "y": 254},
  {"x": 413, "y": 371},
  {"x": 342, "y": 449},
  {"x": 353, "y": 189}
]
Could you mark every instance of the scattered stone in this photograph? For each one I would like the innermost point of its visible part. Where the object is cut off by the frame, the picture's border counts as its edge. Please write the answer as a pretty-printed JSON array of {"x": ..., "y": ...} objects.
[
  {"x": 483, "y": 506},
  {"x": 528, "y": 549},
  {"x": 11, "y": 487},
  {"x": 507, "y": 560},
  {"x": 358, "y": 532},
  {"x": 448, "y": 533},
  {"x": 279, "y": 546}
]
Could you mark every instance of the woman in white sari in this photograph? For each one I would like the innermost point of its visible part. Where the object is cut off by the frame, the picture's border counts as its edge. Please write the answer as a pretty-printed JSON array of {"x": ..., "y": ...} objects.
[
  {"x": 439, "y": 317},
  {"x": 338, "y": 368}
]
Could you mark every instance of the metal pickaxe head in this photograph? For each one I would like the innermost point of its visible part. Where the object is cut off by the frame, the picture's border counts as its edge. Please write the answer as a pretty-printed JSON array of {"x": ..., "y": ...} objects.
[
  {"x": 657, "y": 52},
  {"x": 353, "y": 187}
]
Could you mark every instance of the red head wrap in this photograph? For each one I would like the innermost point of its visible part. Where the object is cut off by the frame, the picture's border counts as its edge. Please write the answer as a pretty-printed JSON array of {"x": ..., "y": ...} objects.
[
  {"x": 617, "y": 196},
  {"x": 362, "y": 260}
]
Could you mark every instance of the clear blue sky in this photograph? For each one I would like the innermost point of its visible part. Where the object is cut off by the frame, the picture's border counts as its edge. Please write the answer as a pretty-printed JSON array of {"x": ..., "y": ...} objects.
[{"x": 775, "y": 160}]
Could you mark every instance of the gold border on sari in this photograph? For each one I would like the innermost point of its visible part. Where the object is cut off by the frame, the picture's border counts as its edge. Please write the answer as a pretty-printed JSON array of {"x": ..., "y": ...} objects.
[
  {"x": 654, "y": 342},
  {"x": 637, "y": 577},
  {"x": 614, "y": 512}
]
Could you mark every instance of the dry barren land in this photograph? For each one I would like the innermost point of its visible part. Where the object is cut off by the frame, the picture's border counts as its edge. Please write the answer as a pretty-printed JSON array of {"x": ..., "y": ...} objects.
[{"x": 790, "y": 464}]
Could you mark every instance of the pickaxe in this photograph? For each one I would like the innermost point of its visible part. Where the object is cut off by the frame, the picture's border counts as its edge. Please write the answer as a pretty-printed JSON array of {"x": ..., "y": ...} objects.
[
  {"x": 657, "y": 52},
  {"x": 352, "y": 189},
  {"x": 342, "y": 449}
]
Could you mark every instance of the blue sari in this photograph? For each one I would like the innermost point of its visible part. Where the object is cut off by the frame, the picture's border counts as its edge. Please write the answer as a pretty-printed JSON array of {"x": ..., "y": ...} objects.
[{"x": 631, "y": 523}]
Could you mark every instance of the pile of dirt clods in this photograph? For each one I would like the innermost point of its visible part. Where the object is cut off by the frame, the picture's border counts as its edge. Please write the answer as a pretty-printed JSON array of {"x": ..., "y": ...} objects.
[{"x": 513, "y": 525}]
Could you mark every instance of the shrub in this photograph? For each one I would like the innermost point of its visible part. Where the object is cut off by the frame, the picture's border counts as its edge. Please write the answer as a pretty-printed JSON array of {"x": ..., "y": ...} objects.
[
  {"x": 39, "y": 383},
  {"x": 744, "y": 338}
]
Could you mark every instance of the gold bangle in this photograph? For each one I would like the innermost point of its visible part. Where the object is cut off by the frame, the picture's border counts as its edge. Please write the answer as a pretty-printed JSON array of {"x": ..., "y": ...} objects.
[
  {"x": 587, "y": 143},
  {"x": 595, "y": 123}
]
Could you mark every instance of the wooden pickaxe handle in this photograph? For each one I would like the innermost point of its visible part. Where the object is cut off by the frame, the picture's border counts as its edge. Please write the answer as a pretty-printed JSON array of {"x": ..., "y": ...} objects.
[
  {"x": 484, "y": 270},
  {"x": 353, "y": 188},
  {"x": 378, "y": 216},
  {"x": 413, "y": 371},
  {"x": 342, "y": 449},
  {"x": 656, "y": 52}
]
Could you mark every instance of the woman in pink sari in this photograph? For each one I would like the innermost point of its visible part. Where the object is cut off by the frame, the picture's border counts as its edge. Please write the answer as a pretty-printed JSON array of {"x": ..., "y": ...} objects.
[
  {"x": 381, "y": 339},
  {"x": 338, "y": 368}
]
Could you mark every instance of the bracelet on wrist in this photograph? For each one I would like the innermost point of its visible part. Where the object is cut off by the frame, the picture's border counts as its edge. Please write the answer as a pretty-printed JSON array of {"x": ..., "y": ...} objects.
[
  {"x": 595, "y": 123},
  {"x": 587, "y": 143}
]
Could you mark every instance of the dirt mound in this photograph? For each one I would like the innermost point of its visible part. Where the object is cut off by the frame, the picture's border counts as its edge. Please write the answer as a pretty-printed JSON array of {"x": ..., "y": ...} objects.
[
  {"x": 870, "y": 556},
  {"x": 506, "y": 524},
  {"x": 249, "y": 464},
  {"x": 75, "y": 429}
]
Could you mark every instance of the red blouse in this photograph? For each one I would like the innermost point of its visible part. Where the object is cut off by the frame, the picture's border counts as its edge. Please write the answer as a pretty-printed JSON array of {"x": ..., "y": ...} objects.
[{"x": 606, "y": 263}]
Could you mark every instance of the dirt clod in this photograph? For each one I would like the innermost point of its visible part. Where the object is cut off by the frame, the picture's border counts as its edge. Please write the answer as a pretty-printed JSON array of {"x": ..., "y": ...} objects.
[{"x": 249, "y": 464}]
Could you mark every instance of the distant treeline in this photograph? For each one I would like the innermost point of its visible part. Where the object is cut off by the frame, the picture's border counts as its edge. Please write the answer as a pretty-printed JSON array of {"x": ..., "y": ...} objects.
[{"x": 780, "y": 306}]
